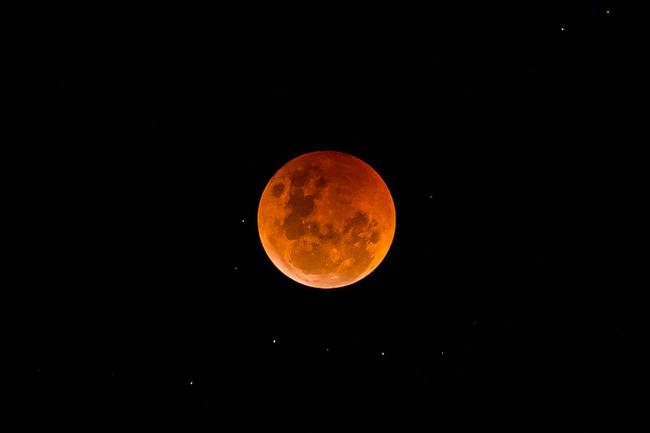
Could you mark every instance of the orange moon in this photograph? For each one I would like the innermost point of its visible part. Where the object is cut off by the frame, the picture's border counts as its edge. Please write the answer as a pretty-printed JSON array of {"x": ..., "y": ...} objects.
[{"x": 326, "y": 219}]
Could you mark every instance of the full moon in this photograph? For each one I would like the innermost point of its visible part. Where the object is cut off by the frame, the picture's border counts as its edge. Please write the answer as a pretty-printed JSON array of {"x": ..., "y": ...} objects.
[{"x": 326, "y": 219}]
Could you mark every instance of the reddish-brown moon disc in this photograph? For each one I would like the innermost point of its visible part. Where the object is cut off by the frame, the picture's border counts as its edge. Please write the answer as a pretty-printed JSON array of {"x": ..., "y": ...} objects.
[{"x": 326, "y": 219}]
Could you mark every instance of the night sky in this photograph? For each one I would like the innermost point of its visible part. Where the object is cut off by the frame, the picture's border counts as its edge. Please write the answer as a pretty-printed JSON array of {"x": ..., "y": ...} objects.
[{"x": 149, "y": 302}]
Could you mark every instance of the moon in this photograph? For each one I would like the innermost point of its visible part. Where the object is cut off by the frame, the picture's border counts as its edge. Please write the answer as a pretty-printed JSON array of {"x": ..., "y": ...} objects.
[{"x": 326, "y": 219}]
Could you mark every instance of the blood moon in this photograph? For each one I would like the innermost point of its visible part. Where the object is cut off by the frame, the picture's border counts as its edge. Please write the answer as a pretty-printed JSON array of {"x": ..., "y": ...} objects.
[{"x": 326, "y": 219}]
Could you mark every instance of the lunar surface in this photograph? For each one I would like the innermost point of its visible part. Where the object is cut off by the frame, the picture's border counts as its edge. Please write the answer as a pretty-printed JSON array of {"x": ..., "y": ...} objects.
[{"x": 326, "y": 219}]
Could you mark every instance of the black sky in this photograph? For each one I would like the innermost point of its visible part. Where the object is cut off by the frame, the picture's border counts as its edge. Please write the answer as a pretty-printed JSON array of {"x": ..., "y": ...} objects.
[{"x": 500, "y": 131}]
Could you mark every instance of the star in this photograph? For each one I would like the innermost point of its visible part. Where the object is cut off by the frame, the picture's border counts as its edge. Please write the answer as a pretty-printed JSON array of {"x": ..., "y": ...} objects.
[
  {"x": 235, "y": 268},
  {"x": 274, "y": 341},
  {"x": 562, "y": 28},
  {"x": 243, "y": 220}
]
